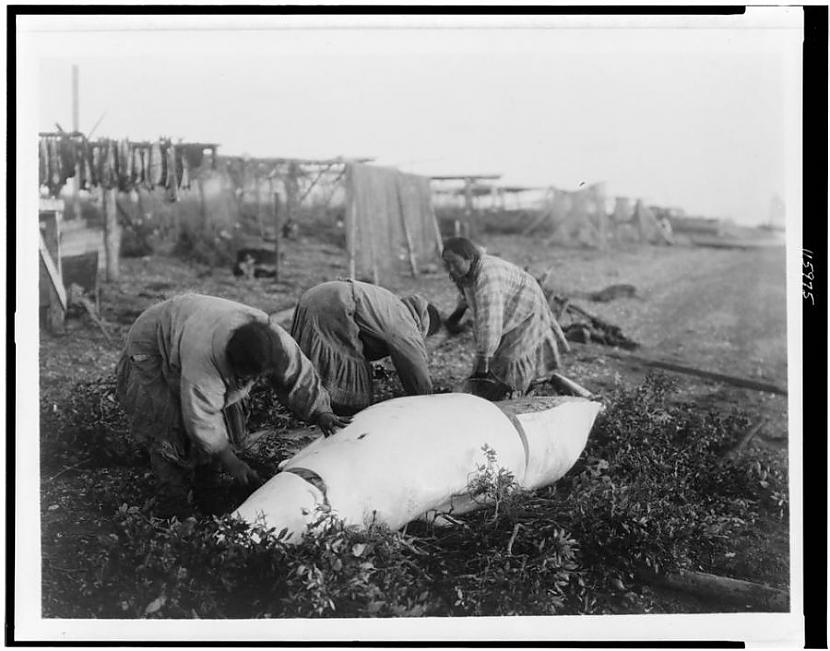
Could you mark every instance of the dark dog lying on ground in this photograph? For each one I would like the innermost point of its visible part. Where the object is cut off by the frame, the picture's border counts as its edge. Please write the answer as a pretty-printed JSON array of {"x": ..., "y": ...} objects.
[{"x": 255, "y": 263}]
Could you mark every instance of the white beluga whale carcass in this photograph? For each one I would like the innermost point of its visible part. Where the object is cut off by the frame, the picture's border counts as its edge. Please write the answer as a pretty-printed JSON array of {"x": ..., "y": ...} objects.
[{"x": 415, "y": 456}]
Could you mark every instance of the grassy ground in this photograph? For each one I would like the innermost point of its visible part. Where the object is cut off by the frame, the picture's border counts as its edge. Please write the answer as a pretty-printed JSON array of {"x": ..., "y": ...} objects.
[{"x": 717, "y": 310}]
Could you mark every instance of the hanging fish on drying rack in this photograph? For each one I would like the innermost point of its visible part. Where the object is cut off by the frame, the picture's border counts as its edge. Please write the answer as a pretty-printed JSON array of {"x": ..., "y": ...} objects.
[
  {"x": 145, "y": 167},
  {"x": 85, "y": 180},
  {"x": 185, "y": 183},
  {"x": 156, "y": 176},
  {"x": 108, "y": 166},
  {"x": 99, "y": 162},
  {"x": 182, "y": 168},
  {"x": 172, "y": 177},
  {"x": 43, "y": 160},
  {"x": 125, "y": 165},
  {"x": 138, "y": 169},
  {"x": 66, "y": 148},
  {"x": 55, "y": 171}
]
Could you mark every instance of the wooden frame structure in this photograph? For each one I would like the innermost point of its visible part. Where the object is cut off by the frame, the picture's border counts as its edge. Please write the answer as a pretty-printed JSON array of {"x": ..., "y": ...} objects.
[
  {"x": 285, "y": 211},
  {"x": 63, "y": 278},
  {"x": 469, "y": 192},
  {"x": 53, "y": 301}
]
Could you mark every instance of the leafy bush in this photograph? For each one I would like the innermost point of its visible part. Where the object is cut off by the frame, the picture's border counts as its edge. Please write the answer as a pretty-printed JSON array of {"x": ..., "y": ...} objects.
[
  {"x": 654, "y": 489},
  {"x": 90, "y": 428},
  {"x": 220, "y": 568},
  {"x": 652, "y": 492}
]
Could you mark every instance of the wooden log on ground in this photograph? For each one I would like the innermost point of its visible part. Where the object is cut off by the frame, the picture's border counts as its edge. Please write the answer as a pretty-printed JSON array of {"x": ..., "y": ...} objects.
[
  {"x": 77, "y": 297},
  {"x": 712, "y": 586},
  {"x": 736, "y": 451},
  {"x": 709, "y": 375},
  {"x": 568, "y": 386}
]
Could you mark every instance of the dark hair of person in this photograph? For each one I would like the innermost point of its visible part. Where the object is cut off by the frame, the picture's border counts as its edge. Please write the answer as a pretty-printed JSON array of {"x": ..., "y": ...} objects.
[
  {"x": 463, "y": 247},
  {"x": 252, "y": 349},
  {"x": 434, "y": 319}
]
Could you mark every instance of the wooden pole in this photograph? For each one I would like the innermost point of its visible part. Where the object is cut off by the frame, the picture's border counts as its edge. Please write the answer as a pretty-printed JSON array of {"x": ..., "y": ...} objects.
[
  {"x": 351, "y": 224},
  {"x": 75, "y": 112},
  {"x": 202, "y": 202},
  {"x": 468, "y": 206},
  {"x": 259, "y": 209},
  {"x": 412, "y": 263},
  {"x": 277, "y": 235},
  {"x": 292, "y": 191},
  {"x": 112, "y": 234},
  {"x": 439, "y": 242},
  {"x": 76, "y": 181}
]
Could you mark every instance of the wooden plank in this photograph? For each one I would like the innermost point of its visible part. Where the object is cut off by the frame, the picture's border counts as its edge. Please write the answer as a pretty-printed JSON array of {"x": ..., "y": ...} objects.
[
  {"x": 439, "y": 242},
  {"x": 48, "y": 203},
  {"x": 413, "y": 265},
  {"x": 52, "y": 270},
  {"x": 55, "y": 313},
  {"x": 50, "y": 227},
  {"x": 340, "y": 160}
]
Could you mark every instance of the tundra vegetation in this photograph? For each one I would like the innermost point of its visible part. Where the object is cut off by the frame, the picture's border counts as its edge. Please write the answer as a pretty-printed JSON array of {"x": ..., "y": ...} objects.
[
  {"x": 667, "y": 482},
  {"x": 654, "y": 492}
]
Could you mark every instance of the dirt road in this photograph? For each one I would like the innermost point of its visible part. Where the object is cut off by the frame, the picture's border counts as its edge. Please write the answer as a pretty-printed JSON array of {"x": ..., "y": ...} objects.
[{"x": 717, "y": 310}]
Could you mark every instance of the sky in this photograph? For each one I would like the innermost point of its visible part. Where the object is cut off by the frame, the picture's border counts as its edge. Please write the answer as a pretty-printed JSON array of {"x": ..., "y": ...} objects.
[{"x": 700, "y": 114}]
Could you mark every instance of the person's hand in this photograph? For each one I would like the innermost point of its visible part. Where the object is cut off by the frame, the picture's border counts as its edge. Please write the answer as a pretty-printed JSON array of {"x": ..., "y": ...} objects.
[
  {"x": 454, "y": 327},
  {"x": 329, "y": 423},
  {"x": 481, "y": 368},
  {"x": 453, "y": 322},
  {"x": 239, "y": 470},
  {"x": 245, "y": 475}
]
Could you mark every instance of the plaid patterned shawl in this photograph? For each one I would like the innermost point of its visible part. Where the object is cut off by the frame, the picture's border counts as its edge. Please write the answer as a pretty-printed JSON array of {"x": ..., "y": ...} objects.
[{"x": 513, "y": 322}]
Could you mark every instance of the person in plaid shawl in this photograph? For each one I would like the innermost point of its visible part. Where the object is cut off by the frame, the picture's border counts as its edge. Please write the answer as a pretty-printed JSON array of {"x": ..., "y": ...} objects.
[{"x": 515, "y": 332}]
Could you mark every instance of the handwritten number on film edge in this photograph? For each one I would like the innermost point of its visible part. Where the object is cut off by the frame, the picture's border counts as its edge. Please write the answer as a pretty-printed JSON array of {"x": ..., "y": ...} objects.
[{"x": 807, "y": 276}]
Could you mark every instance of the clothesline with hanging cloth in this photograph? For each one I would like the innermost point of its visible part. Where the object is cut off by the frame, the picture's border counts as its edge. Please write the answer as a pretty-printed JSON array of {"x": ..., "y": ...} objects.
[
  {"x": 390, "y": 222},
  {"x": 121, "y": 164}
]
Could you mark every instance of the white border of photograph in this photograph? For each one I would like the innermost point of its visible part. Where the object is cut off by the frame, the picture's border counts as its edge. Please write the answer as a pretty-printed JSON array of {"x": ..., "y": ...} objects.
[{"x": 773, "y": 629}]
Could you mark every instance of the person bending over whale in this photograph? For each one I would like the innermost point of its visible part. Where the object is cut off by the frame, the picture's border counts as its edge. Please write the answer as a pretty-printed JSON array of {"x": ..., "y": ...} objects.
[
  {"x": 344, "y": 325},
  {"x": 183, "y": 377}
]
